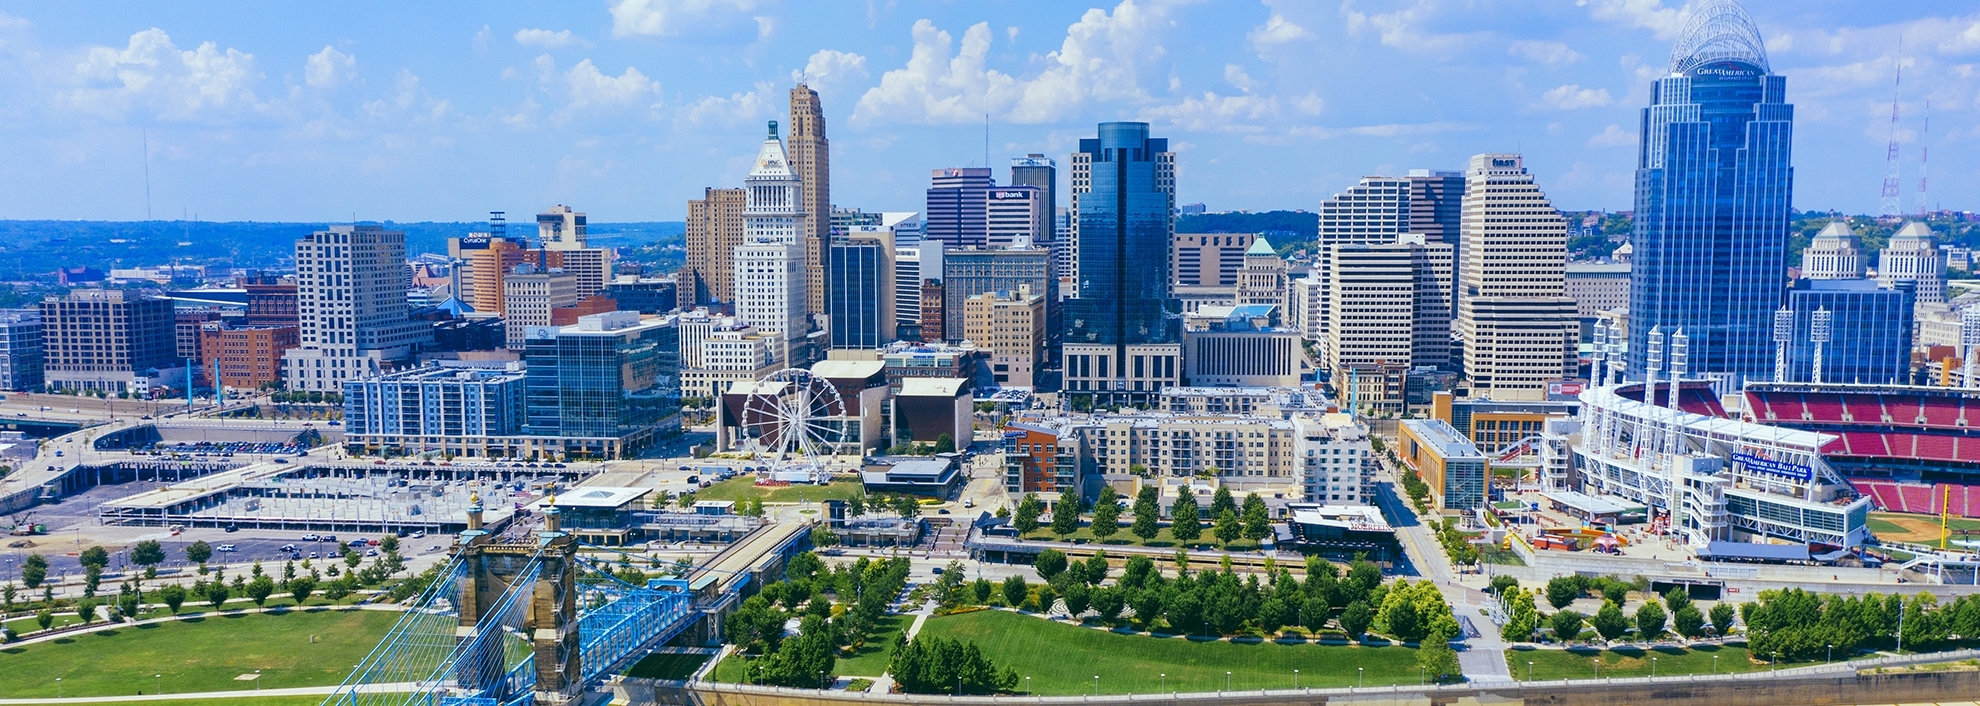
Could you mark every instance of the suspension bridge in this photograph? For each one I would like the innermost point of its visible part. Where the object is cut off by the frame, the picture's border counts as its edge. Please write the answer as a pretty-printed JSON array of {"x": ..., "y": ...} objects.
[{"x": 523, "y": 618}]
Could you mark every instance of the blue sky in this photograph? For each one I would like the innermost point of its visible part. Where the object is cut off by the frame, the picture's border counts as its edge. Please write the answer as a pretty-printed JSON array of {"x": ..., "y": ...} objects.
[{"x": 627, "y": 108}]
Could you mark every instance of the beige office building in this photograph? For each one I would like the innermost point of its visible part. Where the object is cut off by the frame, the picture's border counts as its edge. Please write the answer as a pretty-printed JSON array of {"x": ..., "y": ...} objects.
[
  {"x": 528, "y": 296},
  {"x": 714, "y": 229},
  {"x": 1516, "y": 321},
  {"x": 1012, "y": 326},
  {"x": 811, "y": 161}
]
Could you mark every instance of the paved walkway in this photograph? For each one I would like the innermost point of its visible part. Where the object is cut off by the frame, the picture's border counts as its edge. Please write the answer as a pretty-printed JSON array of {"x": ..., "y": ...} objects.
[
  {"x": 1483, "y": 659},
  {"x": 885, "y": 682}
]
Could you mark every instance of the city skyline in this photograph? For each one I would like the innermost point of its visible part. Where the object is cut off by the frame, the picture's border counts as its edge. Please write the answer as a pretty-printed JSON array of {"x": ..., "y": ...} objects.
[{"x": 625, "y": 109}]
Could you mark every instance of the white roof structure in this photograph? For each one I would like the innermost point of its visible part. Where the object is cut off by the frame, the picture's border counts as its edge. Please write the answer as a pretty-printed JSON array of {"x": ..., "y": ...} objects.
[
  {"x": 932, "y": 387},
  {"x": 596, "y": 497}
]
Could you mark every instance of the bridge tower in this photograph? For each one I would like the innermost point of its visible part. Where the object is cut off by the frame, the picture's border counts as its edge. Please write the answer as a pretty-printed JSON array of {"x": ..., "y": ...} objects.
[{"x": 547, "y": 559}]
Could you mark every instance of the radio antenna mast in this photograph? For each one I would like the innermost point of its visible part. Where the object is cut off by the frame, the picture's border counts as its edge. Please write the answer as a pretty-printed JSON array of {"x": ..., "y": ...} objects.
[
  {"x": 1924, "y": 130},
  {"x": 1893, "y": 208}
]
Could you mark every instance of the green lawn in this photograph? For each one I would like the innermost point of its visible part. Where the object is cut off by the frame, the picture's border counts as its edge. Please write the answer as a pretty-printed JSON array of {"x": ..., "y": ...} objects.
[
  {"x": 1880, "y": 524},
  {"x": 1579, "y": 663},
  {"x": 665, "y": 665},
  {"x": 873, "y": 659},
  {"x": 27, "y": 626},
  {"x": 1062, "y": 659},
  {"x": 1162, "y": 538},
  {"x": 231, "y": 701},
  {"x": 745, "y": 487},
  {"x": 199, "y": 654}
]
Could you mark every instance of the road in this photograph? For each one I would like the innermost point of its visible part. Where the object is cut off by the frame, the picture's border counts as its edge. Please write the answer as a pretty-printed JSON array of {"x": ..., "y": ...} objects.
[{"x": 1484, "y": 656}]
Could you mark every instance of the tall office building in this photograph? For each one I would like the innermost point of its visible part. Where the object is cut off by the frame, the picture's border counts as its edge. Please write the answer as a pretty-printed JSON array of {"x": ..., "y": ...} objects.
[
  {"x": 967, "y": 273},
  {"x": 861, "y": 297},
  {"x": 529, "y": 294},
  {"x": 1869, "y": 331},
  {"x": 485, "y": 263},
  {"x": 1123, "y": 333},
  {"x": 109, "y": 340},
  {"x": 1011, "y": 325},
  {"x": 1713, "y": 187},
  {"x": 1015, "y": 217},
  {"x": 1836, "y": 253},
  {"x": 20, "y": 350},
  {"x": 1389, "y": 300},
  {"x": 1436, "y": 210},
  {"x": 1037, "y": 170},
  {"x": 351, "y": 298},
  {"x": 955, "y": 206},
  {"x": 811, "y": 161},
  {"x": 914, "y": 265},
  {"x": 1373, "y": 211},
  {"x": 1912, "y": 257},
  {"x": 1518, "y": 326},
  {"x": 605, "y": 387},
  {"x": 770, "y": 269},
  {"x": 714, "y": 229},
  {"x": 1262, "y": 277},
  {"x": 561, "y": 228}
]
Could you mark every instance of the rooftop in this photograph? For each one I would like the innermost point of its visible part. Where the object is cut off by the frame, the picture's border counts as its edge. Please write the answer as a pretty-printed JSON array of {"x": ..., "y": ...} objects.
[
  {"x": 933, "y": 387},
  {"x": 597, "y": 497},
  {"x": 1448, "y": 442}
]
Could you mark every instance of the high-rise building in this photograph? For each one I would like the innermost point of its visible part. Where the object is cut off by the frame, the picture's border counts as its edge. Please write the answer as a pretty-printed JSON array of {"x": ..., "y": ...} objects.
[
  {"x": 914, "y": 265},
  {"x": 1373, "y": 299},
  {"x": 955, "y": 207},
  {"x": 1208, "y": 259},
  {"x": 1122, "y": 334},
  {"x": 770, "y": 270},
  {"x": 861, "y": 299},
  {"x": 530, "y": 294},
  {"x": 714, "y": 229},
  {"x": 1436, "y": 210},
  {"x": 484, "y": 265},
  {"x": 1713, "y": 189},
  {"x": 1011, "y": 325},
  {"x": 590, "y": 268},
  {"x": 646, "y": 295},
  {"x": 1262, "y": 278},
  {"x": 1869, "y": 331},
  {"x": 1517, "y": 324},
  {"x": 351, "y": 297},
  {"x": 811, "y": 161},
  {"x": 1015, "y": 216},
  {"x": 561, "y": 228},
  {"x": 1037, "y": 170},
  {"x": 606, "y": 387},
  {"x": 967, "y": 273},
  {"x": 1836, "y": 253},
  {"x": 247, "y": 357},
  {"x": 1912, "y": 257},
  {"x": 110, "y": 340},
  {"x": 1373, "y": 211},
  {"x": 1596, "y": 287},
  {"x": 271, "y": 301},
  {"x": 20, "y": 350}
]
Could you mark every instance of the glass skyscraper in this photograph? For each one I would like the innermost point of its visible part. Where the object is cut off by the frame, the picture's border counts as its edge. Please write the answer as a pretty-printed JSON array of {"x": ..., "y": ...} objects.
[
  {"x": 1869, "y": 331},
  {"x": 607, "y": 386},
  {"x": 860, "y": 287},
  {"x": 1713, "y": 182},
  {"x": 1123, "y": 331}
]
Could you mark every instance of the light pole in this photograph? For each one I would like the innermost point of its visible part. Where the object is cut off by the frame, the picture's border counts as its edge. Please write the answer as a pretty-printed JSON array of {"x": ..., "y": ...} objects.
[
  {"x": 1295, "y": 679},
  {"x": 159, "y": 680},
  {"x": 1027, "y": 685},
  {"x": 1227, "y": 681},
  {"x": 1164, "y": 675},
  {"x": 257, "y": 680},
  {"x": 1653, "y": 666},
  {"x": 1096, "y": 685},
  {"x": 58, "y": 687},
  {"x": 1529, "y": 670},
  {"x": 1359, "y": 672},
  {"x": 1715, "y": 664},
  {"x": 1832, "y": 654}
]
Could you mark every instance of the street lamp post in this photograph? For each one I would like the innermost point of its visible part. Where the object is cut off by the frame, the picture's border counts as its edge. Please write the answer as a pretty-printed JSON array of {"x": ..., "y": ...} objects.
[
  {"x": 1227, "y": 681},
  {"x": 1096, "y": 685},
  {"x": 159, "y": 680},
  {"x": 1653, "y": 666},
  {"x": 1359, "y": 672},
  {"x": 1832, "y": 654},
  {"x": 1529, "y": 670},
  {"x": 1295, "y": 679},
  {"x": 1715, "y": 664},
  {"x": 58, "y": 687},
  {"x": 1164, "y": 675}
]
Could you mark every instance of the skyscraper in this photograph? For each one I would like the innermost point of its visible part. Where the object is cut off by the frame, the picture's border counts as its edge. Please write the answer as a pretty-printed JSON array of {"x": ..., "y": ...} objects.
[
  {"x": 1912, "y": 257},
  {"x": 1122, "y": 335},
  {"x": 955, "y": 207},
  {"x": 110, "y": 340},
  {"x": 861, "y": 292},
  {"x": 714, "y": 229},
  {"x": 1436, "y": 210},
  {"x": 1040, "y": 171},
  {"x": 969, "y": 272},
  {"x": 811, "y": 161},
  {"x": 351, "y": 298},
  {"x": 1517, "y": 323},
  {"x": 1835, "y": 254},
  {"x": 1713, "y": 185},
  {"x": 1014, "y": 216},
  {"x": 770, "y": 269},
  {"x": 1372, "y": 212},
  {"x": 561, "y": 228}
]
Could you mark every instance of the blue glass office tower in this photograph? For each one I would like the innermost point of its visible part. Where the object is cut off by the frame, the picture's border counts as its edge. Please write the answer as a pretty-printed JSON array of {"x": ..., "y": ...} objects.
[
  {"x": 1713, "y": 182},
  {"x": 858, "y": 276},
  {"x": 1869, "y": 331},
  {"x": 1123, "y": 331}
]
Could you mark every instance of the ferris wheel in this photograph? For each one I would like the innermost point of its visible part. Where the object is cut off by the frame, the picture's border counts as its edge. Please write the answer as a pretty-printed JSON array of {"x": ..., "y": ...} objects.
[{"x": 800, "y": 417}]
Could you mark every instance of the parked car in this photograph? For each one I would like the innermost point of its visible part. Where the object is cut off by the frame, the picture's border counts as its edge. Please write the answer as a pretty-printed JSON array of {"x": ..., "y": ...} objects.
[{"x": 311, "y": 537}]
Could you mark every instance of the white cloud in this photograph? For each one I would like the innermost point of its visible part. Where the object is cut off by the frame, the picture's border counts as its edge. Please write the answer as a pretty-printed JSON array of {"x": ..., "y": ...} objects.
[
  {"x": 1101, "y": 59},
  {"x": 1966, "y": 41},
  {"x": 1216, "y": 113},
  {"x": 590, "y": 88},
  {"x": 830, "y": 69},
  {"x": 481, "y": 40},
  {"x": 1613, "y": 137},
  {"x": 671, "y": 18},
  {"x": 1277, "y": 31},
  {"x": 1664, "y": 22},
  {"x": 738, "y": 107},
  {"x": 327, "y": 68},
  {"x": 1400, "y": 29},
  {"x": 151, "y": 74},
  {"x": 547, "y": 39},
  {"x": 1235, "y": 75},
  {"x": 1310, "y": 104},
  {"x": 1573, "y": 97},
  {"x": 1551, "y": 53}
]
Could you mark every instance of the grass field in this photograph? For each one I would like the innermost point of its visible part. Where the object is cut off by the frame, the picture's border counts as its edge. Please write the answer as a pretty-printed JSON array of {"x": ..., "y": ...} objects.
[
  {"x": 1923, "y": 529},
  {"x": 27, "y": 627},
  {"x": 1062, "y": 659},
  {"x": 745, "y": 487},
  {"x": 872, "y": 660},
  {"x": 200, "y": 654},
  {"x": 229, "y": 701},
  {"x": 667, "y": 666},
  {"x": 1579, "y": 663}
]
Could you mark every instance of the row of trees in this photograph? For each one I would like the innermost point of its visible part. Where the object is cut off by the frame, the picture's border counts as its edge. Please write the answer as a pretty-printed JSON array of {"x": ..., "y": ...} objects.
[
  {"x": 863, "y": 588},
  {"x": 936, "y": 665},
  {"x": 148, "y": 553},
  {"x": 1229, "y": 521},
  {"x": 1796, "y": 624}
]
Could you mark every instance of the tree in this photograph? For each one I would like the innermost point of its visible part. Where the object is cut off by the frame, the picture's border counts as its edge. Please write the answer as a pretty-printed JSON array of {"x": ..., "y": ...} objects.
[
  {"x": 1257, "y": 519},
  {"x": 1015, "y": 591},
  {"x": 1228, "y": 529},
  {"x": 856, "y": 505},
  {"x": 1722, "y": 619},
  {"x": 1096, "y": 568},
  {"x": 945, "y": 444},
  {"x": 1687, "y": 621},
  {"x": 338, "y": 589},
  {"x": 1522, "y": 620},
  {"x": 1183, "y": 523},
  {"x": 86, "y": 611},
  {"x": 1026, "y": 519},
  {"x": 980, "y": 589},
  {"x": 1562, "y": 590},
  {"x": 1065, "y": 512},
  {"x": 1436, "y": 657},
  {"x": 1078, "y": 597},
  {"x": 94, "y": 556},
  {"x": 1650, "y": 621},
  {"x": 388, "y": 543},
  {"x": 1147, "y": 518},
  {"x": 198, "y": 552},
  {"x": 148, "y": 553},
  {"x": 45, "y": 618},
  {"x": 1609, "y": 622},
  {"x": 300, "y": 587},
  {"x": 1676, "y": 599},
  {"x": 260, "y": 589},
  {"x": 1403, "y": 621},
  {"x": 1050, "y": 563},
  {"x": 821, "y": 537},
  {"x": 1501, "y": 583},
  {"x": 905, "y": 505},
  {"x": 1566, "y": 625},
  {"x": 172, "y": 595},
  {"x": 1106, "y": 514},
  {"x": 1221, "y": 501},
  {"x": 34, "y": 570}
]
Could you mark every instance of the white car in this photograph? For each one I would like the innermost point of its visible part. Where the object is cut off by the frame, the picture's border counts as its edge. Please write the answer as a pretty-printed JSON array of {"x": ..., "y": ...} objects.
[
  {"x": 224, "y": 548},
  {"x": 309, "y": 537}
]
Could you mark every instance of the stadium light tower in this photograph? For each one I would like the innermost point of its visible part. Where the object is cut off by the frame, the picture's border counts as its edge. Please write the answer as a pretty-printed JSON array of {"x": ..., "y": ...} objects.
[
  {"x": 1818, "y": 333},
  {"x": 1600, "y": 371},
  {"x": 1783, "y": 335},
  {"x": 1969, "y": 344}
]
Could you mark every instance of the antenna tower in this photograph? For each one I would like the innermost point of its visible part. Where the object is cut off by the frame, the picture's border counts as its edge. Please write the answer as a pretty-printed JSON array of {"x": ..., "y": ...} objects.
[
  {"x": 1924, "y": 130},
  {"x": 1893, "y": 208}
]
